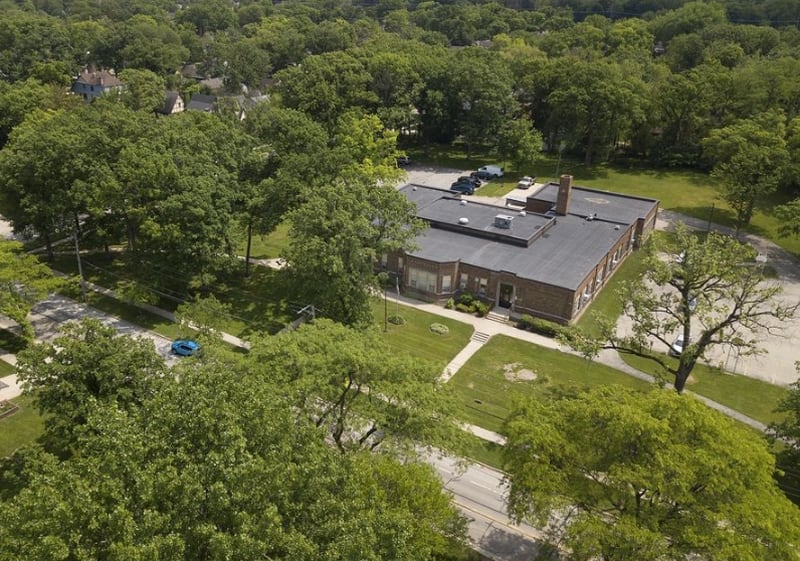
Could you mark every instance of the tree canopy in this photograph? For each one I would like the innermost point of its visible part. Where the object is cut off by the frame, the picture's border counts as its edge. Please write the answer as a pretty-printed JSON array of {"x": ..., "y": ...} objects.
[
  {"x": 623, "y": 475},
  {"x": 216, "y": 465}
]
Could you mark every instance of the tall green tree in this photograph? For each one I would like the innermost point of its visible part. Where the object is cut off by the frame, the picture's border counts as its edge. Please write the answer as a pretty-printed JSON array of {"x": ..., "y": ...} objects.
[
  {"x": 709, "y": 291},
  {"x": 337, "y": 237},
  {"x": 144, "y": 90},
  {"x": 352, "y": 384},
  {"x": 325, "y": 86},
  {"x": 623, "y": 475},
  {"x": 519, "y": 143},
  {"x": 89, "y": 364},
  {"x": 23, "y": 282},
  {"x": 749, "y": 159}
]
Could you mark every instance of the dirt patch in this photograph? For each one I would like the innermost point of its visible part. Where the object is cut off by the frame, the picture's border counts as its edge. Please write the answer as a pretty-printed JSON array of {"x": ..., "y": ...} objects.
[{"x": 515, "y": 373}]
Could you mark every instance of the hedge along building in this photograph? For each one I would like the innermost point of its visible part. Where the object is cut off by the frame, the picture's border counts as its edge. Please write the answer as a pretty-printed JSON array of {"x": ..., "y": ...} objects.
[{"x": 549, "y": 257}]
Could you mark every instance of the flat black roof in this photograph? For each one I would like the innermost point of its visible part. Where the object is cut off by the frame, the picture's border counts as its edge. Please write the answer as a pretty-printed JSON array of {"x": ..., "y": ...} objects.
[
  {"x": 442, "y": 209},
  {"x": 616, "y": 207},
  {"x": 561, "y": 250}
]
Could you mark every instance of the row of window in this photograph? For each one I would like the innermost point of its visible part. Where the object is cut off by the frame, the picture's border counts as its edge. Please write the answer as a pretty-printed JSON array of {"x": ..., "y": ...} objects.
[{"x": 426, "y": 280}]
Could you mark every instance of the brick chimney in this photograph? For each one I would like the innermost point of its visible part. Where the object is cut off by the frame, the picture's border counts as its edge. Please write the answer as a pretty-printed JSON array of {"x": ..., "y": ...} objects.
[{"x": 564, "y": 194}]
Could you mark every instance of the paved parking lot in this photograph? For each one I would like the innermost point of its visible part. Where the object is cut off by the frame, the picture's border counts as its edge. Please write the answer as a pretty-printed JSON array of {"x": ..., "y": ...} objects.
[{"x": 442, "y": 178}]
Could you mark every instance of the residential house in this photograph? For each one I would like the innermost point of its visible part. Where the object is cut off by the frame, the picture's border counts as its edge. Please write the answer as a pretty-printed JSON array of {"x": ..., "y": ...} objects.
[
  {"x": 202, "y": 102},
  {"x": 91, "y": 84},
  {"x": 173, "y": 103}
]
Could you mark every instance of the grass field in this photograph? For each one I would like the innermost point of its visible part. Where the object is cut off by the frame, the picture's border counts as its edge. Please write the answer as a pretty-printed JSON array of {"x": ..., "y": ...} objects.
[
  {"x": 6, "y": 369},
  {"x": 755, "y": 398},
  {"x": 415, "y": 336},
  {"x": 21, "y": 428},
  {"x": 257, "y": 304},
  {"x": 269, "y": 246},
  {"x": 487, "y": 395}
]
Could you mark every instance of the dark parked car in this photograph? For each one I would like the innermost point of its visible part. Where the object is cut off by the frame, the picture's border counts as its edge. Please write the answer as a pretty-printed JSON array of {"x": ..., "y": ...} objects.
[
  {"x": 463, "y": 188},
  {"x": 474, "y": 181}
]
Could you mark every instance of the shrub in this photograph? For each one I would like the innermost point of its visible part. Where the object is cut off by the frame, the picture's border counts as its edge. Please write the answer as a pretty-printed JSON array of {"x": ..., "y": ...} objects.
[
  {"x": 450, "y": 304},
  {"x": 466, "y": 308},
  {"x": 467, "y": 299},
  {"x": 540, "y": 326},
  {"x": 397, "y": 320},
  {"x": 440, "y": 328},
  {"x": 480, "y": 308}
]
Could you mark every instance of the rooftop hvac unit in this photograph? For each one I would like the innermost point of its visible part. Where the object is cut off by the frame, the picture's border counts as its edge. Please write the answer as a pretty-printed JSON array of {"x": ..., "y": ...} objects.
[{"x": 503, "y": 221}]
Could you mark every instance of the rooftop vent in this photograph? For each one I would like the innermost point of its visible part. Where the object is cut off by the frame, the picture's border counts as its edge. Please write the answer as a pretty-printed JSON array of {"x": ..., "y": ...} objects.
[
  {"x": 503, "y": 221},
  {"x": 463, "y": 203},
  {"x": 616, "y": 227},
  {"x": 591, "y": 217},
  {"x": 463, "y": 220},
  {"x": 523, "y": 213}
]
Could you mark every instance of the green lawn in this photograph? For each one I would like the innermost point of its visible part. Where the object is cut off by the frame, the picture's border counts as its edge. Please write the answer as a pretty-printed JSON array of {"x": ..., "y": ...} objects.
[
  {"x": 755, "y": 398},
  {"x": 487, "y": 395},
  {"x": 21, "y": 428},
  {"x": 269, "y": 246},
  {"x": 484, "y": 452},
  {"x": 6, "y": 369},
  {"x": 415, "y": 336}
]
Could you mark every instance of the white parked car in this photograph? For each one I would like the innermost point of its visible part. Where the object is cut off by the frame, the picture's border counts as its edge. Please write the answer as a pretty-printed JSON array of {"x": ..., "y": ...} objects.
[
  {"x": 677, "y": 347},
  {"x": 525, "y": 182}
]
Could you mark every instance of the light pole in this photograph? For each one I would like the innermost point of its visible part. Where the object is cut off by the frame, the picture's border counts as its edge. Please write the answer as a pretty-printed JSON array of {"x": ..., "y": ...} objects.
[{"x": 80, "y": 265}]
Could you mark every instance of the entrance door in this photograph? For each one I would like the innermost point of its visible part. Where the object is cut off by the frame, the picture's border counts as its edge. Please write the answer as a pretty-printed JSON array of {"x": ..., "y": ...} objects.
[{"x": 506, "y": 294}]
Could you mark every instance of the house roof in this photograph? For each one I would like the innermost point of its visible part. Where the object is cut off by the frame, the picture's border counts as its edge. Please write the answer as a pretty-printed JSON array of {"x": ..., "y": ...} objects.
[
  {"x": 102, "y": 78},
  {"x": 560, "y": 250},
  {"x": 201, "y": 102},
  {"x": 170, "y": 99}
]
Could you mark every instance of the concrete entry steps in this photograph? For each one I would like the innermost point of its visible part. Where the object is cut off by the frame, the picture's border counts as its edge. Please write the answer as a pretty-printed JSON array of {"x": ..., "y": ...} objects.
[
  {"x": 480, "y": 337},
  {"x": 497, "y": 316}
]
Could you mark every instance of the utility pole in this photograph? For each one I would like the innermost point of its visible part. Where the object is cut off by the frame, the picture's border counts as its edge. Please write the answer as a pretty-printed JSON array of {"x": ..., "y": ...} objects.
[{"x": 80, "y": 265}]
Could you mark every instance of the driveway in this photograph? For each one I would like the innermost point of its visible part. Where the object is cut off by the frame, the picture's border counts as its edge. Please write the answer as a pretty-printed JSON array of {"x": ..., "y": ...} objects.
[{"x": 47, "y": 316}]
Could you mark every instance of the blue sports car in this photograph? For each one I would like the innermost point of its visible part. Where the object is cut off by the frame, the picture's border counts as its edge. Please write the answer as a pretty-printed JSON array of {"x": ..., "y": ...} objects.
[{"x": 185, "y": 347}]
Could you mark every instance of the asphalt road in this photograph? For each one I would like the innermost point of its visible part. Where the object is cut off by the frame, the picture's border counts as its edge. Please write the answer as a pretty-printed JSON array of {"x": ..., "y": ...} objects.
[
  {"x": 479, "y": 493},
  {"x": 48, "y": 315}
]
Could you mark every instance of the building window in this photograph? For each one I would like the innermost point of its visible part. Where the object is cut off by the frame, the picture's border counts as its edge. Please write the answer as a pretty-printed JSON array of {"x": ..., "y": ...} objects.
[
  {"x": 384, "y": 260},
  {"x": 462, "y": 284},
  {"x": 423, "y": 280},
  {"x": 446, "y": 282},
  {"x": 482, "y": 286}
]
